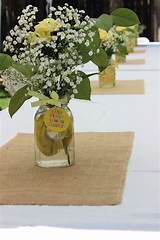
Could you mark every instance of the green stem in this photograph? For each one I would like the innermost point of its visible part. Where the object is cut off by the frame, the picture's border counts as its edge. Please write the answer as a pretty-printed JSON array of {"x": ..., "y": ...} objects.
[{"x": 92, "y": 74}]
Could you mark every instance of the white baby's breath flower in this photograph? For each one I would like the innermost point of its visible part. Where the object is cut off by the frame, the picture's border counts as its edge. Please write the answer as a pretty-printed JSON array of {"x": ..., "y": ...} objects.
[
  {"x": 62, "y": 35},
  {"x": 51, "y": 61},
  {"x": 75, "y": 91},
  {"x": 71, "y": 44},
  {"x": 35, "y": 9},
  {"x": 8, "y": 38},
  {"x": 14, "y": 57},
  {"x": 90, "y": 53},
  {"x": 48, "y": 73},
  {"x": 67, "y": 80},
  {"x": 18, "y": 39},
  {"x": 91, "y": 34},
  {"x": 82, "y": 11},
  {"x": 12, "y": 33},
  {"x": 71, "y": 84},
  {"x": 15, "y": 28},
  {"x": 22, "y": 55},
  {"x": 52, "y": 9},
  {"x": 87, "y": 43},
  {"x": 48, "y": 83},
  {"x": 57, "y": 13},
  {"x": 80, "y": 41},
  {"x": 54, "y": 38}
]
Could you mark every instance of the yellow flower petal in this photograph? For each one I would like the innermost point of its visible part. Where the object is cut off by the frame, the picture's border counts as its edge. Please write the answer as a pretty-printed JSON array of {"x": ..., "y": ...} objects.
[
  {"x": 103, "y": 34},
  {"x": 44, "y": 29},
  {"x": 120, "y": 29}
]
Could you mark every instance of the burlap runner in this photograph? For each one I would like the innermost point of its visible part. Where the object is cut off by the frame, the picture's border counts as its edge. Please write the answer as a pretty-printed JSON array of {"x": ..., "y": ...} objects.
[
  {"x": 122, "y": 87},
  {"x": 97, "y": 178},
  {"x": 134, "y": 61}
]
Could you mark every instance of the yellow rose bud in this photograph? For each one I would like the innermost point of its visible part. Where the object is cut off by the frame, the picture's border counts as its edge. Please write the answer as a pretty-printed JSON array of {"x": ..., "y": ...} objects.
[
  {"x": 103, "y": 34},
  {"x": 120, "y": 29},
  {"x": 44, "y": 29}
]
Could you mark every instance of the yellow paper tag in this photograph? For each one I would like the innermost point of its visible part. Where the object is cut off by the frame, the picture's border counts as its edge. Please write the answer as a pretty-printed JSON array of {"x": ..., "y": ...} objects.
[{"x": 56, "y": 119}]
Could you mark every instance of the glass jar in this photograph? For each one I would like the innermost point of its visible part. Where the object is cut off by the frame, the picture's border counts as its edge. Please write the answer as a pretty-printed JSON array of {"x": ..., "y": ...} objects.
[
  {"x": 120, "y": 59},
  {"x": 131, "y": 44},
  {"x": 107, "y": 78},
  {"x": 54, "y": 147}
]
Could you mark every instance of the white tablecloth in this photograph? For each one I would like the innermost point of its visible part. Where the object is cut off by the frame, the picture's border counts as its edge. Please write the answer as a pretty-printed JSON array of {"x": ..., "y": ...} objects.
[{"x": 139, "y": 113}]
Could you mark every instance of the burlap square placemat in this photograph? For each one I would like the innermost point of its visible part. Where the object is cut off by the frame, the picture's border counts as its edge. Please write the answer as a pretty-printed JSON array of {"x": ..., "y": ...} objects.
[
  {"x": 139, "y": 51},
  {"x": 97, "y": 178},
  {"x": 134, "y": 61},
  {"x": 122, "y": 87}
]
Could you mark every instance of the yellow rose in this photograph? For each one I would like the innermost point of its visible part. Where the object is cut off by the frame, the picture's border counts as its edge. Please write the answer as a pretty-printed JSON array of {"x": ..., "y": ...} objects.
[
  {"x": 44, "y": 29},
  {"x": 103, "y": 34},
  {"x": 122, "y": 29}
]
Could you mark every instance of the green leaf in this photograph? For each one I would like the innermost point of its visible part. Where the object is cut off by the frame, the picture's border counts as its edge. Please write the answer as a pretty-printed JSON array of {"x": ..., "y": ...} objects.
[
  {"x": 104, "y": 22},
  {"x": 125, "y": 17},
  {"x": 84, "y": 88},
  {"x": 84, "y": 50},
  {"x": 96, "y": 40},
  {"x": 18, "y": 99},
  {"x": 4, "y": 103},
  {"x": 54, "y": 95},
  {"x": 122, "y": 50},
  {"x": 3, "y": 93},
  {"x": 100, "y": 59},
  {"x": 25, "y": 69},
  {"x": 5, "y": 61}
]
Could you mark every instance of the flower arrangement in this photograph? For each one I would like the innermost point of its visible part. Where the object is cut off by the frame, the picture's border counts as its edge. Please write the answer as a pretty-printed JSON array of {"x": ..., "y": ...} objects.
[
  {"x": 113, "y": 42},
  {"x": 130, "y": 34},
  {"x": 118, "y": 40},
  {"x": 44, "y": 56}
]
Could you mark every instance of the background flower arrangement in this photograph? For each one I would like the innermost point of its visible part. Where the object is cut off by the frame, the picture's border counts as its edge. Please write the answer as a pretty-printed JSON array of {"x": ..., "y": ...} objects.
[
  {"x": 130, "y": 35},
  {"x": 114, "y": 42}
]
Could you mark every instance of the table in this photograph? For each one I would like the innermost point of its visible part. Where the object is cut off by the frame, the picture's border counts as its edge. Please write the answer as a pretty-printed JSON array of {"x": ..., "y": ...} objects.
[
  {"x": 151, "y": 56},
  {"x": 140, "y": 209}
]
